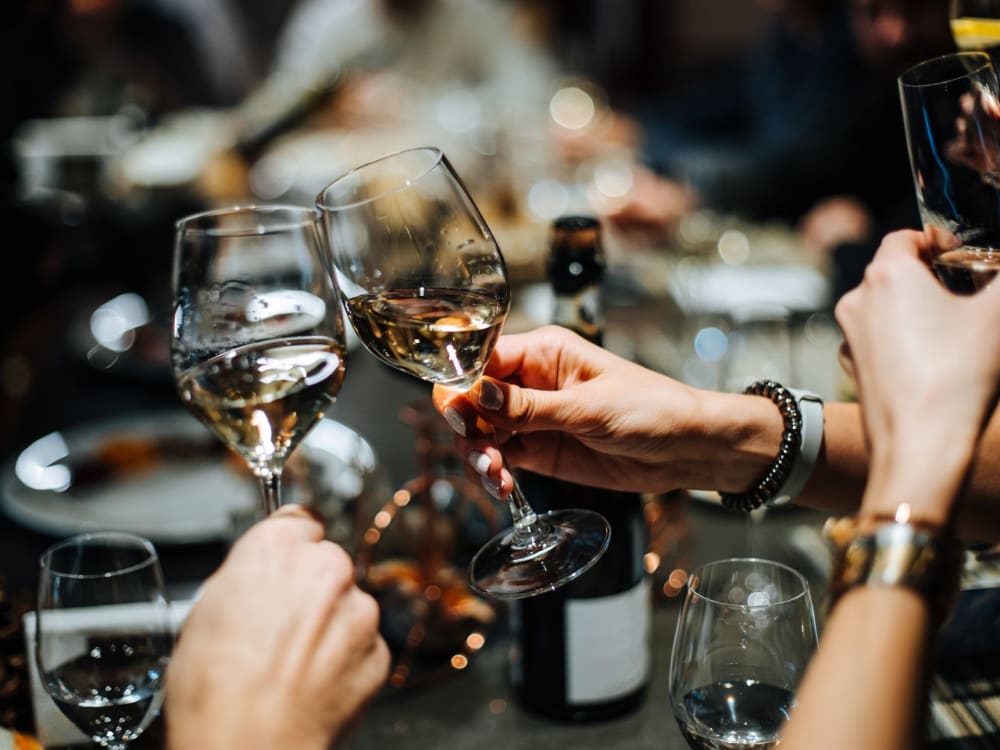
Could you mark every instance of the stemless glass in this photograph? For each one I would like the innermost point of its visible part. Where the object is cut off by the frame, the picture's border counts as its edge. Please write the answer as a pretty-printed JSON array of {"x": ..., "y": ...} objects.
[
  {"x": 746, "y": 632},
  {"x": 103, "y": 636},
  {"x": 425, "y": 288},
  {"x": 258, "y": 345},
  {"x": 975, "y": 24},
  {"x": 951, "y": 112}
]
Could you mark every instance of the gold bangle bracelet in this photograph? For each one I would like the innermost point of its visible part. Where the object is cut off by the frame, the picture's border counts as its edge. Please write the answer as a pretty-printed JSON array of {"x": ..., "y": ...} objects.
[{"x": 879, "y": 551}]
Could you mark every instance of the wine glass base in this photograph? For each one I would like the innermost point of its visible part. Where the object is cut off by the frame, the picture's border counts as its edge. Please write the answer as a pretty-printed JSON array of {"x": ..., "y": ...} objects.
[{"x": 503, "y": 569}]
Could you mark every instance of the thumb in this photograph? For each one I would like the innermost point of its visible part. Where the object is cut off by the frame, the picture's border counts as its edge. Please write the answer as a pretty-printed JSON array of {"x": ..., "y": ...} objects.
[{"x": 301, "y": 521}]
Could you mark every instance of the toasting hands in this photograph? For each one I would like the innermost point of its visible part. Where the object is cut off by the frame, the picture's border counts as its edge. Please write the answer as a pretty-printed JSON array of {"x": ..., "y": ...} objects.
[{"x": 282, "y": 649}]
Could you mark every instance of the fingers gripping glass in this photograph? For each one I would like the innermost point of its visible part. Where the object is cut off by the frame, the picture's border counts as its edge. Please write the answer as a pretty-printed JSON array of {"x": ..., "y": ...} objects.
[{"x": 425, "y": 288}]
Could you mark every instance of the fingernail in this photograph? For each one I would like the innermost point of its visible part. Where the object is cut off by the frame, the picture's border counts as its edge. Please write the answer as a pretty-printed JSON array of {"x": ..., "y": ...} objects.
[
  {"x": 480, "y": 462},
  {"x": 492, "y": 487},
  {"x": 490, "y": 395},
  {"x": 455, "y": 420}
]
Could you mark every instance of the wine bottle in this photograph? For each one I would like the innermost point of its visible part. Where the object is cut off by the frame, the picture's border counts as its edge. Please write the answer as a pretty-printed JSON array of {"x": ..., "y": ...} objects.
[{"x": 582, "y": 652}]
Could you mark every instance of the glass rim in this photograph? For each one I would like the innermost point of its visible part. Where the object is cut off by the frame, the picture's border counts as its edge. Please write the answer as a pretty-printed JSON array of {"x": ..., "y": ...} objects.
[
  {"x": 140, "y": 542},
  {"x": 323, "y": 205},
  {"x": 907, "y": 76},
  {"x": 188, "y": 224},
  {"x": 700, "y": 570}
]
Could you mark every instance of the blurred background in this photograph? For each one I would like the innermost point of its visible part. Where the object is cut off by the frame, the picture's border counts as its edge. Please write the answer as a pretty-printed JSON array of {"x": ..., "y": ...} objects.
[
  {"x": 123, "y": 115},
  {"x": 677, "y": 122}
]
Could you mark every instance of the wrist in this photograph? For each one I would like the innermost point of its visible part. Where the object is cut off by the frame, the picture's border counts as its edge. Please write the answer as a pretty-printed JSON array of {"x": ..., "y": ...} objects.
[
  {"x": 928, "y": 477},
  {"x": 733, "y": 439}
]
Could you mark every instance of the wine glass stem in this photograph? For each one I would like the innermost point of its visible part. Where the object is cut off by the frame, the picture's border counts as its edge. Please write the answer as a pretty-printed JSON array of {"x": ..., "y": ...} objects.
[
  {"x": 528, "y": 529},
  {"x": 270, "y": 486}
]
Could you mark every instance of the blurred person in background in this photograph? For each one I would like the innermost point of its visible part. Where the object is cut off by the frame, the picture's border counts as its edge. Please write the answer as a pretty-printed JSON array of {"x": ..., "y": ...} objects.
[
  {"x": 137, "y": 59},
  {"x": 96, "y": 57},
  {"x": 386, "y": 58},
  {"x": 806, "y": 129},
  {"x": 891, "y": 36},
  {"x": 85, "y": 76}
]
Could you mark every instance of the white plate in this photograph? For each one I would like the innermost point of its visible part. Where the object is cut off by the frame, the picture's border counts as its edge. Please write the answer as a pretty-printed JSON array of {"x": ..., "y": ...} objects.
[{"x": 169, "y": 480}]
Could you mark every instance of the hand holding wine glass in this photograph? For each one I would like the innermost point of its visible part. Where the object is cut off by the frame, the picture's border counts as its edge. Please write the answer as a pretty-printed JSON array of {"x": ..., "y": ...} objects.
[
  {"x": 258, "y": 346},
  {"x": 425, "y": 288},
  {"x": 103, "y": 635},
  {"x": 281, "y": 649},
  {"x": 952, "y": 120}
]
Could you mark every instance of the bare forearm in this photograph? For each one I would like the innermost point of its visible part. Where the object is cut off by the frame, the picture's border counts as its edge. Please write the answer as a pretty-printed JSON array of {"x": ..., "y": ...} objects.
[
  {"x": 839, "y": 478},
  {"x": 848, "y": 697}
]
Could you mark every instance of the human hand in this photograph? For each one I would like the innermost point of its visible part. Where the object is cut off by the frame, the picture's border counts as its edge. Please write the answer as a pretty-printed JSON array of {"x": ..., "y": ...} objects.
[
  {"x": 654, "y": 206},
  {"x": 927, "y": 365},
  {"x": 281, "y": 650},
  {"x": 564, "y": 407}
]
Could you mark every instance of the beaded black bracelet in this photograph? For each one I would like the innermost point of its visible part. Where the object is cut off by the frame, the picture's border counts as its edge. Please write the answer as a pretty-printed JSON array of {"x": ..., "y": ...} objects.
[{"x": 791, "y": 436}]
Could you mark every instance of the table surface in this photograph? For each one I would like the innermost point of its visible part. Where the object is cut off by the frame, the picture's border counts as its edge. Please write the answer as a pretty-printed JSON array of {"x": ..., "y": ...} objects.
[{"x": 475, "y": 709}]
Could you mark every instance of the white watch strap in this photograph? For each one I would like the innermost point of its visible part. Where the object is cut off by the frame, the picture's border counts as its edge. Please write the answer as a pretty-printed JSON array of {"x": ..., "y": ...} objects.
[{"x": 811, "y": 410}]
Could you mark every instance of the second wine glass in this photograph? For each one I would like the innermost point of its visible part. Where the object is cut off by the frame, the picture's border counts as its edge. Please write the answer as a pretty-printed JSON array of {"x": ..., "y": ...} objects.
[
  {"x": 103, "y": 634},
  {"x": 425, "y": 287},
  {"x": 746, "y": 633},
  {"x": 258, "y": 346}
]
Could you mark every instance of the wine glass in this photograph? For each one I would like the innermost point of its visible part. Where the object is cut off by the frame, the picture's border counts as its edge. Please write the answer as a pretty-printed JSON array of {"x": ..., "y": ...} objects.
[
  {"x": 975, "y": 24},
  {"x": 258, "y": 345},
  {"x": 103, "y": 634},
  {"x": 951, "y": 113},
  {"x": 425, "y": 288},
  {"x": 746, "y": 632}
]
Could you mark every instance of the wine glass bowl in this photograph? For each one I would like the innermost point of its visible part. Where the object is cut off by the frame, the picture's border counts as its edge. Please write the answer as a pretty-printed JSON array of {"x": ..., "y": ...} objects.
[
  {"x": 746, "y": 632},
  {"x": 951, "y": 115},
  {"x": 258, "y": 346},
  {"x": 425, "y": 287},
  {"x": 103, "y": 635}
]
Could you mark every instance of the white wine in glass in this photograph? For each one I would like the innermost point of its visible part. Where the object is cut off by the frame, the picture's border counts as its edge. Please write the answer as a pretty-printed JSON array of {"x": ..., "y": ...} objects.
[
  {"x": 258, "y": 345},
  {"x": 425, "y": 287},
  {"x": 975, "y": 24}
]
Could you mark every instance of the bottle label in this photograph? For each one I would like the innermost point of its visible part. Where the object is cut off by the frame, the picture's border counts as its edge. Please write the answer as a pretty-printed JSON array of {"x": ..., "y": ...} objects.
[{"x": 607, "y": 645}]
